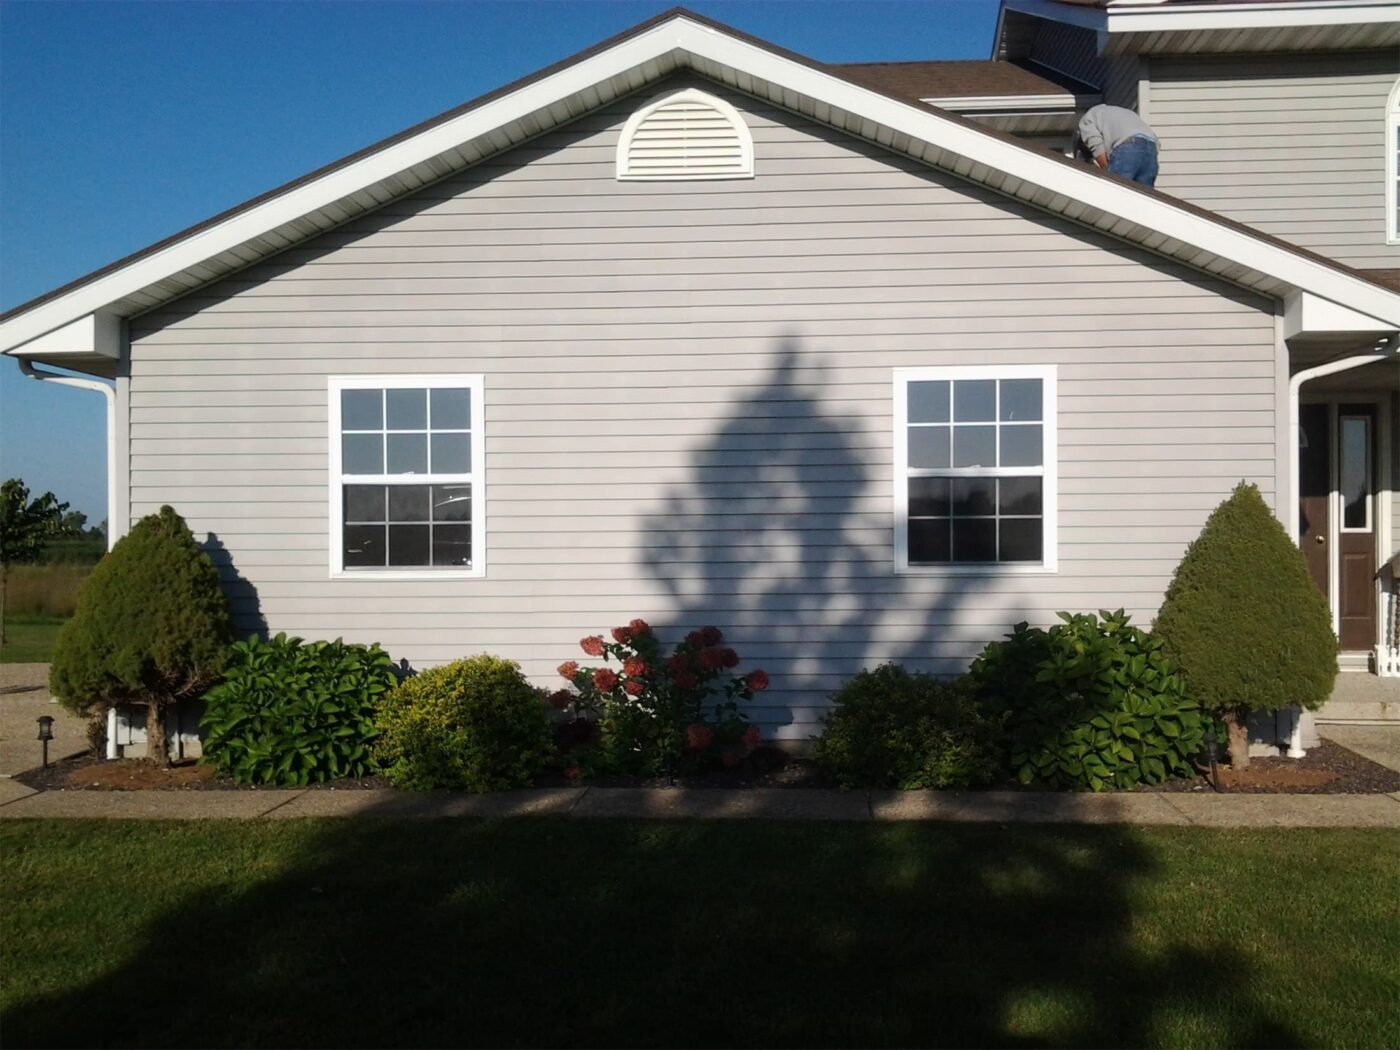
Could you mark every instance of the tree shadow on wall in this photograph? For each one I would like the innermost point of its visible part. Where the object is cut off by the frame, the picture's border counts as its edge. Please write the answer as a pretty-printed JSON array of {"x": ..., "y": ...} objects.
[
  {"x": 242, "y": 595},
  {"x": 781, "y": 535},
  {"x": 540, "y": 932}
]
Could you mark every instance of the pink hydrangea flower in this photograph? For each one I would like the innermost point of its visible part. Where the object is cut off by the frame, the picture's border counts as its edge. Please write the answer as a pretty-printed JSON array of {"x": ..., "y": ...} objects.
[
  {"x": 561, "y": 699},
  {"x": 621, "y": 635},
  {"x": 695, "y": 639},
  {"x": 605, "y": 679},
  {"x": 592, "y": 645},
  {"x": 756, "y": 681},
  {"x": 568, "y": 669},
  {"x": 634, "y": 687},
  {"x": 710, "y": 659},
  {"x": 634, "y": 666},
  {"x": 753, "y": 737},
  {"x": 699, "y": 737},
  {"x": 728, "y": 658},
  {"x": 686, "y": 680},
  {"x": 639, "y": 627},
  {"x": 679, "y": 664},
  {"x": 711, "y": 635}
]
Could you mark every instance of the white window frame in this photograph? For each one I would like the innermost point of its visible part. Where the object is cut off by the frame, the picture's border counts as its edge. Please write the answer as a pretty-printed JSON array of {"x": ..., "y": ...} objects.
[
  {"x": 1048, "y": 471},
  {"x": 1392, "y": 174},
  {"x": 719, "y": 105},
  {"x": 338, "y": 479}
]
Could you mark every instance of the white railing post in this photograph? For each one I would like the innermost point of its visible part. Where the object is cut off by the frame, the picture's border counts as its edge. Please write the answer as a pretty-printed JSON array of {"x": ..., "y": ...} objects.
[{"x": 1388, "y": 656}]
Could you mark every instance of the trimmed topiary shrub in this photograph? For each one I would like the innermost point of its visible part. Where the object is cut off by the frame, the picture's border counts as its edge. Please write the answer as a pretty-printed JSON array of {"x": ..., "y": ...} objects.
[
  {"x": 1246, "y": 622},
  {"x": 894, "y": 728},
  {"x": 1091, "y": 703},
  {"x": 152, "y": 627},
  {"x": 475, "y": 724},
  {"x": 288, "y": 712}
]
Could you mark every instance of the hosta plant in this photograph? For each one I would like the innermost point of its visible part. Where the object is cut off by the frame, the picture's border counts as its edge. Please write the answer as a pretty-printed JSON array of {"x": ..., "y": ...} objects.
[
  {"x": 660, "y": 713},
  {"x": 1091, "y": 703},
  {"x": 293, "y": 712}
]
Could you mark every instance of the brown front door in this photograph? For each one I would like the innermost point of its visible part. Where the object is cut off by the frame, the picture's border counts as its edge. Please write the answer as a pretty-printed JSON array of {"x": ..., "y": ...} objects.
[
  {"x": 1356, "y": 529},
  {"x": 1315, "y": 490}
]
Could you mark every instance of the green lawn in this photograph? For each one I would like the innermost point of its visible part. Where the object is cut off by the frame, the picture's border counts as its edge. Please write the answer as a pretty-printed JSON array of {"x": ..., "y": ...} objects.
[
  {"x": 29, "y": 639},
  {"x": 551, "y": 932}
]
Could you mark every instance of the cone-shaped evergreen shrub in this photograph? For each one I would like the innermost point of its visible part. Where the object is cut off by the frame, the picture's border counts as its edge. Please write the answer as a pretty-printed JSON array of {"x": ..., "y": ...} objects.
[
  {"x": 152, "y": 626},
  {"x": 1244, "y": 620}
]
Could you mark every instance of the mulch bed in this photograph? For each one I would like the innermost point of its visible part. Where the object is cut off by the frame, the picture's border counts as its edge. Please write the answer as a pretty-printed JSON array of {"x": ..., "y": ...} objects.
[
  {"x": 1328, "y": 769},
  {"x": 89, "y": 773}
]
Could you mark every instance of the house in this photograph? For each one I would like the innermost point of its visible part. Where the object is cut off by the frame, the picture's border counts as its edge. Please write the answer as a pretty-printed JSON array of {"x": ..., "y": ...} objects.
[{"x": 842, "y": 359}]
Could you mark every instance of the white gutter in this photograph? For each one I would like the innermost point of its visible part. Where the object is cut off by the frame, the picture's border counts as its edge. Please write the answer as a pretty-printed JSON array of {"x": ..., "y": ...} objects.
[
  {"x": 111, "y": 395},
  {"x": 1295, "y": 384}
]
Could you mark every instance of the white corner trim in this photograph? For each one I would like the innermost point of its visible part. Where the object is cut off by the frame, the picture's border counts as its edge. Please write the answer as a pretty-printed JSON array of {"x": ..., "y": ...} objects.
[
  {"x": 1392, "y": 175},
  {"x": 476, "y": 383},
  {"x": 702, "y": 46}
]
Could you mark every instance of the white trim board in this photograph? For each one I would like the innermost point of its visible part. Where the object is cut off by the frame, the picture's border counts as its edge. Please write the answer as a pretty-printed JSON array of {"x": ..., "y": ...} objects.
[{"x": 1075, "y": 190}]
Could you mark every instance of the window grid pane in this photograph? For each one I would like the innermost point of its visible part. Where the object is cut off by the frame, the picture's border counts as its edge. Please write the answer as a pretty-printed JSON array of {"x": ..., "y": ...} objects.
[
  {"x": 993, "y": 512},
  {"x": 407, "y": 526}
]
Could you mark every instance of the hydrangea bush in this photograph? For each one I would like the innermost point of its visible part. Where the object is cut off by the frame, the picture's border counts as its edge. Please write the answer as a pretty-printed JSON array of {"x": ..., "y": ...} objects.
[{"x": 651, "y": 713}]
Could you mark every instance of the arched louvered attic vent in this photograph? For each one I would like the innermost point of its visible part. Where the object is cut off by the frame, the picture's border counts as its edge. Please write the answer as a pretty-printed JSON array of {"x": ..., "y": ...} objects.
[{"x": 685, "y": 135}]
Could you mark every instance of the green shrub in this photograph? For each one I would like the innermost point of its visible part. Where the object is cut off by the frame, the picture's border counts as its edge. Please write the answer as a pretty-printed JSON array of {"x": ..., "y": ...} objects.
[
  {"x": 1091, "y": 703},
  {"x": 893, "y": 728},
  {"x": 152, "y": 627},
  {"x": 1245, "y": 621},
  {"x": 475, "y": 724},
  {"x": 287, "y": 712}
]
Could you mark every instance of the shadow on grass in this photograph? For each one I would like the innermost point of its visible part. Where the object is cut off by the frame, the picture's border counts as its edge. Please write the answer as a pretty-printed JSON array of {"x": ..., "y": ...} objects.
[{"x": 559, "y": 933}]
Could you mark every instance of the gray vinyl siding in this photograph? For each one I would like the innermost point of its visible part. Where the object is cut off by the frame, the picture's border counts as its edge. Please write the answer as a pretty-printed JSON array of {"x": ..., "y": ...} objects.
[
  {"x": 1293, "y": 145},
  {"x": 688, "y": 404}
]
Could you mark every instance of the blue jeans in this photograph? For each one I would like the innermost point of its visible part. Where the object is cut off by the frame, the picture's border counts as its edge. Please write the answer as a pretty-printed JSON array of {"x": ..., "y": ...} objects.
[{"x": 1135, "y": 159}]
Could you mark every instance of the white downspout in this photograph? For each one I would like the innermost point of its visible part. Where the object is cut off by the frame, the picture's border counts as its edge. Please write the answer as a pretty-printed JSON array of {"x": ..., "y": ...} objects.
[
  {"x": 1295, "y": 384},
  {"x": 111, "y": 395}
]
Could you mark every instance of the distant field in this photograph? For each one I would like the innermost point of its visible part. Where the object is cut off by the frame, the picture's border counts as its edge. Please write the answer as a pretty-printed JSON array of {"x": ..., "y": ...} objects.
[
  {"x": 44, "y": 591},
  {"x": 29, "y": 639}
]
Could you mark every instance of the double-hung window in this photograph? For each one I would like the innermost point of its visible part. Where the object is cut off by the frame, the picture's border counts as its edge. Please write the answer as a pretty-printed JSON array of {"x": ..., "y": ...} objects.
[
  {"x": 406, "y": 476},
  {"x": 974, "y": 469}
]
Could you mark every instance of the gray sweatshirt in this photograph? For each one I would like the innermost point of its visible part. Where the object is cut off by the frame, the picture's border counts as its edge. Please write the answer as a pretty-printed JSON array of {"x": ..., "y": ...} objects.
[{"x": 1104, "y": 128}]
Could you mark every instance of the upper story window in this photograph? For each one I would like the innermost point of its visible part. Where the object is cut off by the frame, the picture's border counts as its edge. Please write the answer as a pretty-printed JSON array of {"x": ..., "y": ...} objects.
[
  {"x": 975, "y": 469},
  {"x": 685, "y": 135},
  {"x": 406, "y": 476},
  {"x": 1392, "y": 166}
]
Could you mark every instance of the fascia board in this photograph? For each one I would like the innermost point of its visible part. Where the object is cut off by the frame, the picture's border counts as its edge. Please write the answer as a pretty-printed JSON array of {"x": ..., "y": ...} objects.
[
  {"x": 702, "y": 41},
  {"x": 1292, "y": 13}
]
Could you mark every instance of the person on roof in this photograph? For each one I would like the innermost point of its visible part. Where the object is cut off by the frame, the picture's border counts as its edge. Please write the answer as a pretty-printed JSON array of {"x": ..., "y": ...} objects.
[{"x": 1118, "y": 140}]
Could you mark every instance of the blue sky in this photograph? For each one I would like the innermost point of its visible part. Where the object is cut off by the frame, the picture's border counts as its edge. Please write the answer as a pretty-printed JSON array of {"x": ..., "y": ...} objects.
[{"x": 121, "y": 123}]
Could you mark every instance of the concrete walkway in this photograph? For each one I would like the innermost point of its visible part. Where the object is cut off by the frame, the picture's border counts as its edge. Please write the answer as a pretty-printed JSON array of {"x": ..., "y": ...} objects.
[
  {"x": 1006, "y": 807},
  {"x": 24, "y": 696}
]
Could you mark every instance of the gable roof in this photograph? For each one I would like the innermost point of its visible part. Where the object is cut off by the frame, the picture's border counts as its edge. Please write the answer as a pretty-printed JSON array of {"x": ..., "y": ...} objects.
[{"x": 674, "y": 40}]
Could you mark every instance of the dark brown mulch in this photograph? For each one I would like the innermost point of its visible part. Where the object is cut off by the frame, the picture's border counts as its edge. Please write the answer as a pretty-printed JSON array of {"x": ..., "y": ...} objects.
[
  {"x": 87, "y": 772},
  {"x": 1328, "y": 769}
]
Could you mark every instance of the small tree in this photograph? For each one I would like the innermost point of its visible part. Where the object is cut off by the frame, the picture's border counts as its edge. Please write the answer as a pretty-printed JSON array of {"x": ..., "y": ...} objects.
[
  {"x": 26, "y": 526},
  {"x": 152, "y": 627},
  {"x": 1245, "y": 622}
]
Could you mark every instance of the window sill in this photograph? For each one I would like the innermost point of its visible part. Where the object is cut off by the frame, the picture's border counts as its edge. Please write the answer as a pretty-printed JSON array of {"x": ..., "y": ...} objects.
[
  {"x": 976, "y": 570},
  {"x": 375, "y": 575}
]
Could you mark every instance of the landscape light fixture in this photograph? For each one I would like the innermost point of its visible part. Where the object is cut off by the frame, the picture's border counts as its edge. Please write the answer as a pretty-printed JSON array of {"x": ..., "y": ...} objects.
[
  {"x": 46, "y": 734},
  {"x": 1213, "y": 756}
]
